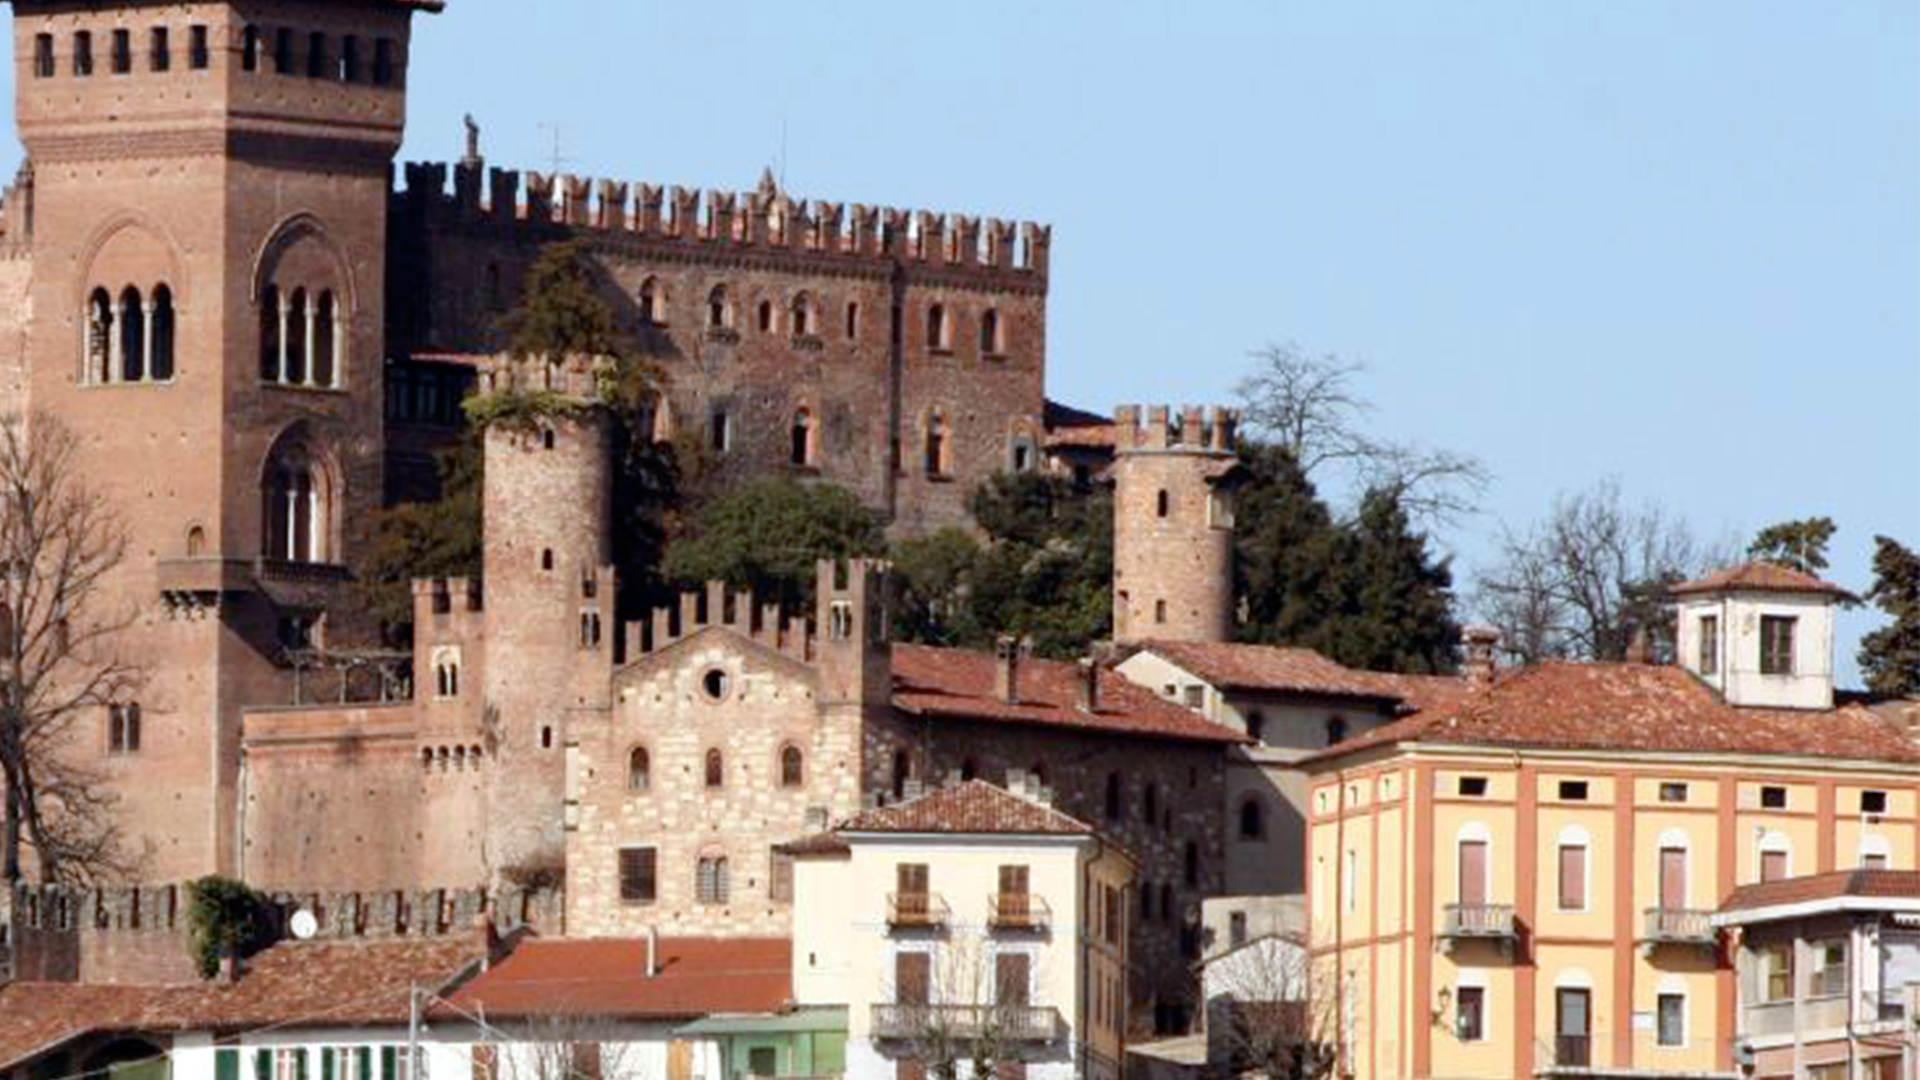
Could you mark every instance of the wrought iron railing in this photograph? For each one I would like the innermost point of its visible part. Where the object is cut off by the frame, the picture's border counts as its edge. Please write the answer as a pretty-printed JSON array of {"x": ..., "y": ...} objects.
[{"x": 1018, "y": 1023}]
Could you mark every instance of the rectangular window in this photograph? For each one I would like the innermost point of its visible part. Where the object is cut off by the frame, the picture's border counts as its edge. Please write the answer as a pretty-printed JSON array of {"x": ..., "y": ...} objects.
[
  {"x": 82, "y": 53},
  {"x": 1473, "y": 873},
  {"x": 383, "y": 62},
  {"x": 43, "y": 56},
  {"x": 122, "y": 51},
  {"x": 1829, "y": 968},
  {"x": 1573, "y": 877},
  {"x": 283, "y": 52},
  {"x": 780, "y": 878},
  {"x": 1709, "y": 644},
  {"x": 317, "y": 67},
  {"x": 1776, "y": 644},
  {"x": 1671, "y": 1020},
  {"x": 1237, "y": 928},
  {"x": 1673, "y": 878},
  {"x": 1473, "y": 787},
  {"x": 1773, "y": 797},
  {"x": 350, "y": 59},
  {"x": 1673, "y": 792},
  {"x": 1573, "y": 790},
  {"x": 198, "y": 54},
  {"x": 719, "y": 432},
  {"x": 638, "y": 875},
  {"x": 1776, "y": 972},
  {"x": 1470, "y": 1014},
  {"x": 1196, "y": 696},
  {"x": 1350, "y": 879},
  {"x": 912, "y": 978},
  {"x": 1773, "y": 866},
  {"x": 159, "y": 50},
  {"x": 1873, "y": 802}
]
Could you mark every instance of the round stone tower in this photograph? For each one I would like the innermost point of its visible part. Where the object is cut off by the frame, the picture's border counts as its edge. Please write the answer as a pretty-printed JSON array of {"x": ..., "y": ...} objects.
[
  {"x": 1173, "y": 524},
  {"x": 549, "y": 586}
]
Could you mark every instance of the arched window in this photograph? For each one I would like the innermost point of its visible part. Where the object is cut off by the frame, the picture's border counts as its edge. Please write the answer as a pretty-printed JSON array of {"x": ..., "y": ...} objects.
[
  {"x": 716, "y": 769},
  {"x": 272, "y": 332},
  {"x": 939, "y": 333},
  {"x": 196, "y": 542},
  {"x": 446, "y": 672},
  {"x": 639, "y": 769},
  {"x": 802, "y": 316},
  {"x": 294, "y": 351},
  {"x": 123, "y": 728},
  {"x": 1114, "y": 800},
  {"x": 653, "y": 308},
  {"x": 133, "y": 336},
  {"x": 936, "y": 448},
  {"x": 160, "y": 335},
  {"x": 99, "y": 359},
  {"x": 710, "y": 884},
  {"x": 902, "y": 772},
  {"x": 1150, "y": 804},
  {"x": 1191, "y": 860},
  {"x": 793, "y": 772},
  {"x": 1253, "y": 819},
  {"x": 801, "y": 438},
  {"x": 990, "y": 342},
  {"x": 297, "y": 511},
  {"x": 719, "y": 310},
  {"x": 326, "y": 335}
]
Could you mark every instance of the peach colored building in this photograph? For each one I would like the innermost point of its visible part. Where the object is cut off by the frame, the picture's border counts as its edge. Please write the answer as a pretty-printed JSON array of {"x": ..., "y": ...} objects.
[{"x": 1520, "y": 879}]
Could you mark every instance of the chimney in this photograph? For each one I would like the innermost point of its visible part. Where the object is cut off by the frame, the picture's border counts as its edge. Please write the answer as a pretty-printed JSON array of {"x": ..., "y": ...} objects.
[
  {"x": 231, "y": 966},
  {"x": 1639, "y": 648},
  {"x": 1478, "y": 643},
  {"x": 653, "y": 952},
  {"x": 1089, "y": 684},
  {"x": 1006, "y": 669}
]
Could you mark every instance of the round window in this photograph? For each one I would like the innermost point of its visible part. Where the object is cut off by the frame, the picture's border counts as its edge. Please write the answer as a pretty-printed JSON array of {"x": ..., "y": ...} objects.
[{"x": 715, "y": 683}]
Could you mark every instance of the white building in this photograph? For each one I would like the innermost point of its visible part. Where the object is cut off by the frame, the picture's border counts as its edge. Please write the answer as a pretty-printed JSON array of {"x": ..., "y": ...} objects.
[{"x": 1760, "y": 634}]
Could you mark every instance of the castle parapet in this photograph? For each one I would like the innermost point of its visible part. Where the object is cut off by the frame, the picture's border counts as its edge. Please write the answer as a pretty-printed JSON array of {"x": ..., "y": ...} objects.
[
  {"x": 765, "y": 219},
  {"x": 765, "y": 623},
  {"x": 1193, "y": 428}
]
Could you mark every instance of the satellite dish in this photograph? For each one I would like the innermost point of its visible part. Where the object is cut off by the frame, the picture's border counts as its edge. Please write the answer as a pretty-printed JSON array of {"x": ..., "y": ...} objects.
[{"x": 303, "y": 924}]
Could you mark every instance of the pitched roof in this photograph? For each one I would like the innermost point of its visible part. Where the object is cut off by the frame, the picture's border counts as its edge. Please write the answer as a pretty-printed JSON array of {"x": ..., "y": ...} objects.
[
  {"x": 971, "y": 806},
  {"x": 606, "y": 978},
  {"x": 1874, "y": 884},
  {"x": 959, "y": 684},
  {"x": 1656, "y": 708},
  {"x": 1758, "y": 576},
  {"x": 1269, "y": 667},
  {"x": 319, "y": 983},
  {"x": 1068, "y": 426}
]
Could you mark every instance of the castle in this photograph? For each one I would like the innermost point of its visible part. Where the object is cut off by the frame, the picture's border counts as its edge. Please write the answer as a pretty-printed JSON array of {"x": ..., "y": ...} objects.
[{"x": 210, "y": 277}]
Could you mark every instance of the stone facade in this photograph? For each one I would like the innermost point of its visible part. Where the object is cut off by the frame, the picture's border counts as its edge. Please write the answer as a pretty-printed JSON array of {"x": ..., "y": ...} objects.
[{"x": 1173, "y": 525}]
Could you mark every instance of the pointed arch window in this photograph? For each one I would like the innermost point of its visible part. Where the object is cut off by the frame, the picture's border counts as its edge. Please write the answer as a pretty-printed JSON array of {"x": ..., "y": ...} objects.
[
  {"x": 272, "y": 332},
  {"x": 801, "y": 438},
  {"x": 160, "y": 335},
  {"x": 710, "y": 884},
  {"x": 302, "y": 337},
  {"x": 99, "y": 345},
  {"x": 297, "y": 510},
  {"x": 133, "y": 336},
  {"x": 765, "y": 322},
  {"x": 250, "y": 49},
  {"x": 653, "y": 303},
  {"x": 325, "y": 334},
  {"x": 803, "y": 316},
  {"x": 298, "y": 339},
  {"x": 1253, "y": 819},
  {"x": 719, "y": 309},
  {"x": 639, "y": 769}
]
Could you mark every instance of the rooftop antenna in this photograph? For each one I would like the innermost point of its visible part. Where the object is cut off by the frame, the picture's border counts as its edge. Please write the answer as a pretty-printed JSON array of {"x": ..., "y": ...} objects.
[{"x": 557, "y": 160}]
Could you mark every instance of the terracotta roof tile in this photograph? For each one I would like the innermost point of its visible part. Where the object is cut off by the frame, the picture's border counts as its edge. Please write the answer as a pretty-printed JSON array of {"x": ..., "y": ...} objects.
[
  {"x": 1633, "y": 707},
  {"x": 971, "y": 806},
  {"x": 959, "y": 683},
  {"x": 1759, "y": 577},
  {"x": 824, "y": 843},
  {"x": 1883, "y": 884},
  {"x": 607, "y": 978},
  {"x": 1269, "y": 667},
  {"x": 1068, "y": 426}
]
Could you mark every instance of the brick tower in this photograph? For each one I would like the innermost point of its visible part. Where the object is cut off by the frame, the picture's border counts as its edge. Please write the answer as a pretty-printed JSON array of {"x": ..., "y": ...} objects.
[
  {"x": 549, "y": 590},
  {"x": 197, "y": 288},
  {"x": 1173, "y": 524}
]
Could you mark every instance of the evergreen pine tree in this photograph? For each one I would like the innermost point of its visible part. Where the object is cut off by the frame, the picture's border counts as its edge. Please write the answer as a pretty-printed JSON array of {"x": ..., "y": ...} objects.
[{"x": 1890, "y": 656}]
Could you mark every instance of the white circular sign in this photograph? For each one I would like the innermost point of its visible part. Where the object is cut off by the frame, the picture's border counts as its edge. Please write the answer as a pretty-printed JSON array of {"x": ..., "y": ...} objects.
[{"x": 303, "y": 924}]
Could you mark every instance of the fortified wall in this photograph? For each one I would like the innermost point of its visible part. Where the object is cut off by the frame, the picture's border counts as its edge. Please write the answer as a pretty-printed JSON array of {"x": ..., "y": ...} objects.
[
  {"x": 142, "y": 934},
  {"x": 897, "y": 353}
]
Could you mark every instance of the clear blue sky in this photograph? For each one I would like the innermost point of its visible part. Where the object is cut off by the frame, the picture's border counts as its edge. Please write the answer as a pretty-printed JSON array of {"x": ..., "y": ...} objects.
[{"x": 1674, "y": 242}]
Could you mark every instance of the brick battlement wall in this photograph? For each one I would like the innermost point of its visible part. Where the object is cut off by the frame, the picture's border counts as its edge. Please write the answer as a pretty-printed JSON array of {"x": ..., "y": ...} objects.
[
  {"x": 1192, "y": 428},
  {"x": 767, "y": 624},
  {"x": 141, "y": 934}
]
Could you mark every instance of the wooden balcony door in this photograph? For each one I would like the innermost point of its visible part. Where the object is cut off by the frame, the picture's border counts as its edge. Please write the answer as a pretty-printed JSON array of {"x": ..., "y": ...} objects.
[
  {"x": 1573, "y": 1027},
  {"x": 910, "y": 890},
  {"x": 912, "y": 978},
  {"x": 1673, "y": 878},
  {"x": 1473, "y": 873},
  {"x": 1012, "y": 976}
]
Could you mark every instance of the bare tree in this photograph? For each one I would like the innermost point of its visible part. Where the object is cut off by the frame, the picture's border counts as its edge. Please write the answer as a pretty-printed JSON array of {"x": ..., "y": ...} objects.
[
  {"x": 565, "y": 1047},
  {"x": 60, "y": 659},
  {"x": 1313, "y": 408},
  {"x": 1590, "y": 577},
  {"x": 973, "y": 1009},
  {"x": 1270, "y": 1012}
]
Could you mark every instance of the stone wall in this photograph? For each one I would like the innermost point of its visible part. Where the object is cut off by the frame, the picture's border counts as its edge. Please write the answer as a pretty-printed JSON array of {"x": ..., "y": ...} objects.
[{"x": 1173, "y": 525}]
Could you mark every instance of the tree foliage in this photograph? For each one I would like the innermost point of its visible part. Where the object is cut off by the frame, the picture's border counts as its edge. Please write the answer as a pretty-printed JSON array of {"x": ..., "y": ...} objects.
[
  {"x": 441, "y": 538},
  {"x": 1798, "y": 545},
  {"x": 1366, "y": 592},
  {"x": 227, "y": 918},
  {"x": 1890, "y": 655},
  {"x": 62, "y": 664},
  {"x": 769, "y": 535}
]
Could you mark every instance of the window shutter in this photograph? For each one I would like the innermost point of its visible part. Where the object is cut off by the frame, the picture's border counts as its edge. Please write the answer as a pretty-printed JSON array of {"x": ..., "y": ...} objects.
[
  {"x": 226, "y": 1065},
  {"x": 326, "y": 1063},
  {"x": 263, "y": 1065},
  {"x": 365, "y": 1055},
  {"x": 389, "y": 1063}
]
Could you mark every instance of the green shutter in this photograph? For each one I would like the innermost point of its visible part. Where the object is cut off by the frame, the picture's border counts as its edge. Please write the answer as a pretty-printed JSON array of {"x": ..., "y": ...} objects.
[
  {"x": 300, "y": 1063},
  {"x": 263, "y": 1065},
  {"x": 389, "y": 1062},
  {"x": 226, "y": 1065},
  {"x": 326, "y": 1063},
  {"x": 365, "y": 1055}
]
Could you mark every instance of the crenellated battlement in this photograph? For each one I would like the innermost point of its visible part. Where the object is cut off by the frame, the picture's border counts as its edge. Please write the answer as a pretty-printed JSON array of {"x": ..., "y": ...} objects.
[
  {"x": 1192, "y": 428},
  {"x": 763, "y": 219},
  {"x": 445, "y": 596},
  {"x": 768, "y": 624}
]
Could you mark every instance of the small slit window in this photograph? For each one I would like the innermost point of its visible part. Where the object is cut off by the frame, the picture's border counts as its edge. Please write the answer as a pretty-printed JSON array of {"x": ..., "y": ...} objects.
[
  {"x": 199, "y": 55},
  {"x": 1573, "y": 791},
  {"x": 793, "y": 772},
  {"x": 1773, "y": 797},
  {"x": 639, "y": 769},
  {"x": 1472, "y": 787},
  {"x": 715, "y": 770}
]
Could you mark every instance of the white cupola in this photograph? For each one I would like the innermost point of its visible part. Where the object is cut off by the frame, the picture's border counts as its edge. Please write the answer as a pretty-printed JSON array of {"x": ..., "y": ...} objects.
[{"x": 1761, "y": 634}]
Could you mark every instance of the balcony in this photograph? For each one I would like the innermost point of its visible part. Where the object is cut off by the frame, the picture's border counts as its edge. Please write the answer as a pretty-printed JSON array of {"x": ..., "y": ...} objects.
[
  {"x": 1477, "y": 922},
  {"x": 1017, "y": 1023},
  {"x": 917, "y": 911},
  {"x": 1572, "y": 1051},
  {"x": 1019, "y": 911},
  {"x": 1676, "y": 926}
]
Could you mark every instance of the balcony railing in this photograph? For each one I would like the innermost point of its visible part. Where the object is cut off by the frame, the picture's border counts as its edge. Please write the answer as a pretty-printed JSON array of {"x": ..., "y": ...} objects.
[
  {"x": 1678, "y": 926},
  {"x": 1478, "y": 921},
  {"x": 1769, "y": 1018},
  {"x": 916, "y": 909},
  {"x": 1573, "y": 1051},
  {"x": 1018, "y": 1023},
  {"x": 1018, "y": 911}
]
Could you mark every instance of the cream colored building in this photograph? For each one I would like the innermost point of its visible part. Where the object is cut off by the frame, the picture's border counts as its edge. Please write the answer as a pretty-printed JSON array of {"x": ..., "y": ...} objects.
[
  {"x": 969, "y": 913},
  {"x": 1522, "y": 881}
]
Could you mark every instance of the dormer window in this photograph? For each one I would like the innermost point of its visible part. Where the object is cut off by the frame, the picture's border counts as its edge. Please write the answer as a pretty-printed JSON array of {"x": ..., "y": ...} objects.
[
  {"x": 1709, "y": 644},
  {"x": 1776, "y": 644}
]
